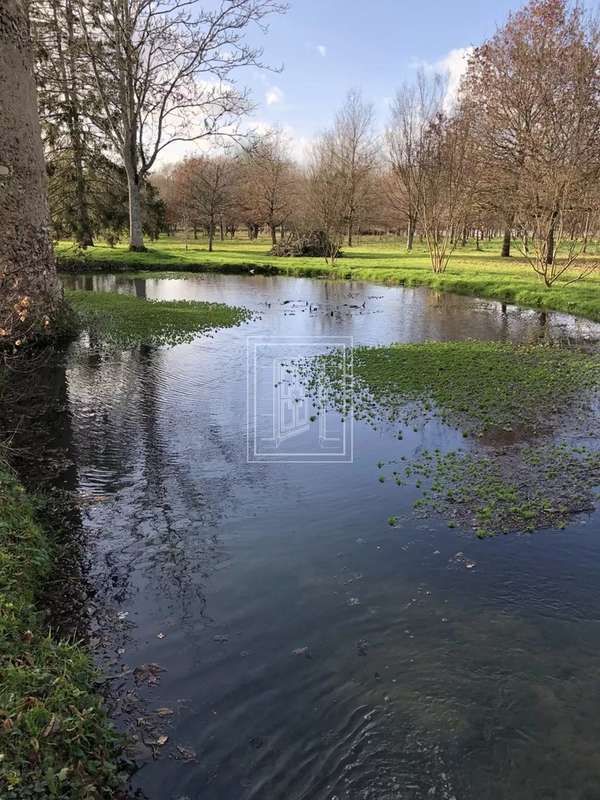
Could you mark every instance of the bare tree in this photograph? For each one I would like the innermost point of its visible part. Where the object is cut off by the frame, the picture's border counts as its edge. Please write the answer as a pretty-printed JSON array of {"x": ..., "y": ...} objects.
[
  {"x": 30, "y": 293},
  {"x": 269, "y": 182},
  {"x": 207, "y": 185},
  {"x": 164, "y": 72},
  {"x": 413, "y": 110},
  {"x": 533, "y": 91},
  {"x": 353, "y": 145},
  {"x": 447, "y": 187},
  {"x": 326, "y": 195}
]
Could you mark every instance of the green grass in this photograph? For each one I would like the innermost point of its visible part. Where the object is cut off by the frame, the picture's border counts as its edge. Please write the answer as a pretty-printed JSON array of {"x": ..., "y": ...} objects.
[
  {"x": 477, "y": 273},
  {"x": 55, "y": 741},
  {"x": 126, "y": 319}
]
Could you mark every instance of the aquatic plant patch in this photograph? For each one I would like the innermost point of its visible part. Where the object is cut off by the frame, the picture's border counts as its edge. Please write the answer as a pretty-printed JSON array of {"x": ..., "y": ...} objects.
[
  {"x": 509, "y": 399},
  {"x": 128, "y": 320},
  {"x": 55, "y": 739},
  {"x": 516, "y": 489},
  {"x": 479, "y": 387}
]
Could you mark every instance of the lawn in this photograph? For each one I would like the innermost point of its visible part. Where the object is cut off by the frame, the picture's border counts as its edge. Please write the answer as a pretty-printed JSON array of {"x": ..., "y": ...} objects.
[{"x": 478, "y": 273}]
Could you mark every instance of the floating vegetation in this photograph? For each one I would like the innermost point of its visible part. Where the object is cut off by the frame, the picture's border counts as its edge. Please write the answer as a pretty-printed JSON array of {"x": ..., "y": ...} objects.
[
  {"x": 510, "y": 399},
  {"x": 478, "y": 387},
  {"x": 517, "y": 489},
  {"x": 128, "y": 320}
]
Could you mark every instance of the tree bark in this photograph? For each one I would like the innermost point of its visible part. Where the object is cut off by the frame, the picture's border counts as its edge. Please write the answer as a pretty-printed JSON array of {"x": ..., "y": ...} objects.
[
  {"x": 506, "y": 242},
  {"x": 550, "y": 244},
  {"x": 136, "y": 233},
  {"x": 411, "y": 232},
  {"x": 30, "y": 293},
  {"x": 273, "y": 234}
]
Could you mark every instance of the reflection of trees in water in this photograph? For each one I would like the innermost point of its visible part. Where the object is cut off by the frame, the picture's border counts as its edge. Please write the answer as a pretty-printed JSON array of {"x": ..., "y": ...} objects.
[
  {"x": 158, "y": 522},
  {"x": 36, "y": 424}
]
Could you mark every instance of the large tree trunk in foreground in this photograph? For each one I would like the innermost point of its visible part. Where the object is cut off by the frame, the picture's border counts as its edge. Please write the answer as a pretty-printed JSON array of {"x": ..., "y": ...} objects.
[{"x": 30, "y": 292}]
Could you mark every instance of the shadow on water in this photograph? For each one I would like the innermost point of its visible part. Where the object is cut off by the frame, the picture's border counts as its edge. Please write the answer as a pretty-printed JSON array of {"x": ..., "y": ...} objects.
[{"x": 306, "y": 649}]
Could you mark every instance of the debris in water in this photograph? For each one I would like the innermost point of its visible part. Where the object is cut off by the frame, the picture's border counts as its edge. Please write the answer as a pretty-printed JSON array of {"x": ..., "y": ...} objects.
[
  {"x": 302, "y": 651},
  {"x": 184, "y": 753},
  {"x": 148, "y": 673}
]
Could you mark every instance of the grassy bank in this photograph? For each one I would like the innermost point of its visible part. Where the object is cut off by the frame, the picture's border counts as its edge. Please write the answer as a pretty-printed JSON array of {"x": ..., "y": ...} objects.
[
  {"x": 55, "y": 740},
  {"x": 128, "y": 320},
  {"x": 471, "y": 272}
]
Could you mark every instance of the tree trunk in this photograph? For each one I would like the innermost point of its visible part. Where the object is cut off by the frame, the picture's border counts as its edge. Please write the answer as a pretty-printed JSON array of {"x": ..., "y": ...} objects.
[
  {"x": 506, "y": 243},
  {"x": 273, "y": 234},
  {"x": 586, "y": 232},
  {"x": 211, "y": 235},
  {"x": 136, "y": 234},
  {"x": 350, "y": 234},
  {"x": 83, "y": 231},
  {"x": 550, "y": 244},
  {"x": 30, "y": 293},
  {"x": 410, "y": 238}
]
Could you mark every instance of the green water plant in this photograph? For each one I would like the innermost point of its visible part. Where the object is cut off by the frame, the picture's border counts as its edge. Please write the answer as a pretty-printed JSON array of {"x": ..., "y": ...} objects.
[
  {"x": 128, "y": 320},
  {"x": 510, "y": 402}
]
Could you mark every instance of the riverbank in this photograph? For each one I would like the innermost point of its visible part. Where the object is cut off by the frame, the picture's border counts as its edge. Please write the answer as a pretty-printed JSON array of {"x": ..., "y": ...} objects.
[
  {"x": 55, "y": 737},
  {"x": 472, "y": 272}
]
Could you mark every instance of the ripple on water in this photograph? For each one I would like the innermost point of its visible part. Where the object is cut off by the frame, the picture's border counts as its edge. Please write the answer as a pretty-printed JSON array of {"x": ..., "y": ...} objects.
[{"x": 440, "y": 682}]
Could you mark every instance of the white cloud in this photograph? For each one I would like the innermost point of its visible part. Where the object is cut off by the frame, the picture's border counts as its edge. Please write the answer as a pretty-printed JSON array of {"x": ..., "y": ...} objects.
[
  {"x": 273, "y": 96},
  {"x": 452, "y": 67},
  {"x": 321, "y": 49}
]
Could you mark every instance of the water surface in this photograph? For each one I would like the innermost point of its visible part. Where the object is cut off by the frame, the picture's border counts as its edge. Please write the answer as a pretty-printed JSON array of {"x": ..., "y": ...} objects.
[{"x": 414, "y": 676}]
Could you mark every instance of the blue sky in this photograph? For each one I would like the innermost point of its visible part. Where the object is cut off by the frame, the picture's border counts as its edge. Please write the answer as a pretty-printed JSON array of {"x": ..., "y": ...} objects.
[
  {"x": 330, "y": 46},
  {"x": 327, "y": 47}
]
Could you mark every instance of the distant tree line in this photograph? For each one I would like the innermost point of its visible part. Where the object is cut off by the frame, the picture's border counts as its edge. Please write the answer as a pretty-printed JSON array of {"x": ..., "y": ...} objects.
[{"x": 516, "y": 154}]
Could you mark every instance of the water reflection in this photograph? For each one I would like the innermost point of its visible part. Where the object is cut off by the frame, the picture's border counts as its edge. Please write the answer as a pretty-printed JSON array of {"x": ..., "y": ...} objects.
[{"x": 310, "y": 650}]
